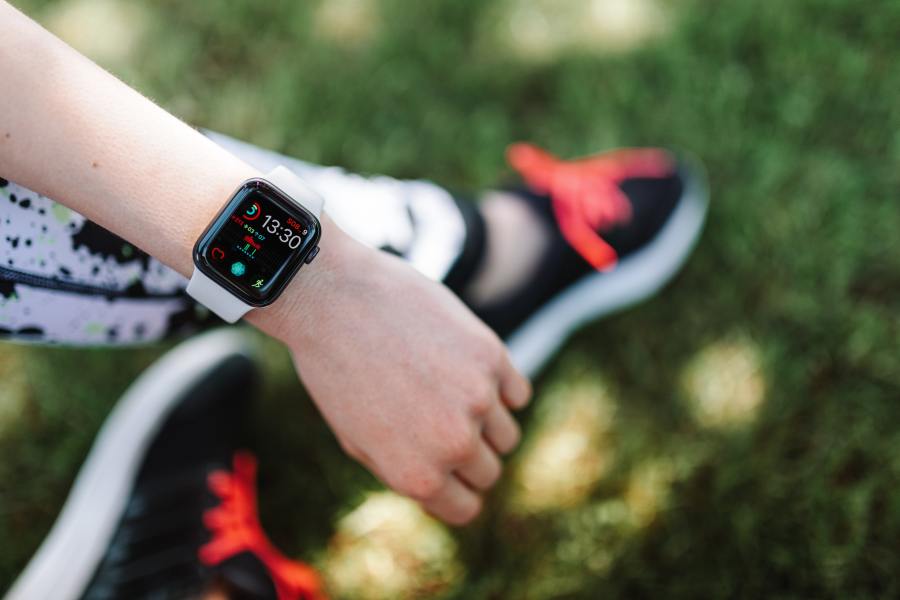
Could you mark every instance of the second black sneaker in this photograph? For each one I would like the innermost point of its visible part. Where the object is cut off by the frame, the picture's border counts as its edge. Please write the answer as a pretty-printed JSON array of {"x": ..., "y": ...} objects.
[{"x": 165, "y": 504}]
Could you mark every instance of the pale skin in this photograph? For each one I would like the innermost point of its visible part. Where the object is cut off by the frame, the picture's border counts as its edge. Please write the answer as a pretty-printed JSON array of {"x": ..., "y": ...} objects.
[{"x": 414, "y": 386}]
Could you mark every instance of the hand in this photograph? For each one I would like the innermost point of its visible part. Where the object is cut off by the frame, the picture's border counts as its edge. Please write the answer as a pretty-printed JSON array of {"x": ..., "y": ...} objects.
[{"x": 414, "y": 386}]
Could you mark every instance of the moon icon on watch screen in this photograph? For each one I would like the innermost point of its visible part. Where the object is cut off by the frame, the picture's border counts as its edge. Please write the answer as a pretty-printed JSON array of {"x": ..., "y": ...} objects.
[{"x": 252, "y": 213}]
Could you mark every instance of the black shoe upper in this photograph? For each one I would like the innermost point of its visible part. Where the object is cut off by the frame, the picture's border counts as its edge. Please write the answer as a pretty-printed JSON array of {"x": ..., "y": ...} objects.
[
  {"x": 154, "y": 551},
  {"x": 652, "y": 203}
]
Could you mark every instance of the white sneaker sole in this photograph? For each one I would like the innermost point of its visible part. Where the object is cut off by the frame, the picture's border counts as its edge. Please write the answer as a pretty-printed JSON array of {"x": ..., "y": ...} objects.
[
  {"x": 64, "y": 564},
  {"x": 635, "y": 278}
]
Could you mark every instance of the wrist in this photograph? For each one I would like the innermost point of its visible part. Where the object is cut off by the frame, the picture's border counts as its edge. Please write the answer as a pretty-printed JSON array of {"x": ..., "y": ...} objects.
[
  {"x": 265, "y": 237},
  {"x": 295, "y": 313}
]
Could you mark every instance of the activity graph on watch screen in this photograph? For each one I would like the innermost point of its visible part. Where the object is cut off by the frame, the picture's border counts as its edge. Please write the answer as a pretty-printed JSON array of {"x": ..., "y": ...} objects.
[{"x": 255, "y": 242}]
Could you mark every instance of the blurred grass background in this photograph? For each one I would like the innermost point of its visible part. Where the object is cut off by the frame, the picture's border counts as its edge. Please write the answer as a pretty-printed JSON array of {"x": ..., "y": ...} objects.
[{"x": 737, "y": 436}]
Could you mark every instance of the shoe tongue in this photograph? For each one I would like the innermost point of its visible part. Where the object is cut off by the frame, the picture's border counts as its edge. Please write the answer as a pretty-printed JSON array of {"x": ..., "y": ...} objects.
[{"x": 246, "y": 576}]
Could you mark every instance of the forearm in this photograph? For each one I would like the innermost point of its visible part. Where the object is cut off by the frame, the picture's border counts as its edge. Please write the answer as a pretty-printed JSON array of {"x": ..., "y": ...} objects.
[{"x": 75, "y": 133}]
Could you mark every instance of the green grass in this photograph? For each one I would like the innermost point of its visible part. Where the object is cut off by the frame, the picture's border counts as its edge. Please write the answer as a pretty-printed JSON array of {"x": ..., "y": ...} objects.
[{"x": 793, "y": 107}]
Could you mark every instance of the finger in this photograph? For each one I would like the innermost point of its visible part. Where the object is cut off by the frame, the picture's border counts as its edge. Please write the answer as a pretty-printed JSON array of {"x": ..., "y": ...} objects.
[
  {"x": 483, "y": 471},
  {"x": 456, "y": 504},
  {"x": 514, "y": 388},
  {"x": 500, "y": 429}
]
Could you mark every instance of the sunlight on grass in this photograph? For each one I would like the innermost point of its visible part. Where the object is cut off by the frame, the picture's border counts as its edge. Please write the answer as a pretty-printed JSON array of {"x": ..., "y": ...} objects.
[
  {"x": 568, "y": 449},
  {"x": 348, "y": 23},
  {"x": 104, "y": 30},
  {"x": 241, "y": 107},
  {"x": 14, "y": 389},
  {"x": 647, "y": 489},
  {"x": 593, "y": 536},
  {"x": 725, "y": 384},
  {"x": 389, "y": 548},
  {"x": 539, "y": 30}
]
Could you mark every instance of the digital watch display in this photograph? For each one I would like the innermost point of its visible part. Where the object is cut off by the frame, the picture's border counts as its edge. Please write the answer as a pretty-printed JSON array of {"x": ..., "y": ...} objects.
[{"x": 257, "y": 242}]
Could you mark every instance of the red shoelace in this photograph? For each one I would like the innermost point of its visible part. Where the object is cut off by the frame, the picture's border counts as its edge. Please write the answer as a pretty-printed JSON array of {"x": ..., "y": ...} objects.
[
  {"x": 585, "y": 193},
  {"x": 235, "y": 528}
]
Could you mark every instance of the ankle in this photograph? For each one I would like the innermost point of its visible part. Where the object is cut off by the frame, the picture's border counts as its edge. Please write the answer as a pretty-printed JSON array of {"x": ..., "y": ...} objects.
[{"x": 515, "y": 241}]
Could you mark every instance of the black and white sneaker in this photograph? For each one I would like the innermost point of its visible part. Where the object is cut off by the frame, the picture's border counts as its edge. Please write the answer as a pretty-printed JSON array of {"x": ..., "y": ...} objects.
[
  {"x": 165, "y": 504},
  {"x": 621, "y": 225}
]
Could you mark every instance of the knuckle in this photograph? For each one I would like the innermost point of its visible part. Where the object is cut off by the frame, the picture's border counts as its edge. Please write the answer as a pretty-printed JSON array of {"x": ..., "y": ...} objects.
[
  {"x": 420, "y": 484},
  {"x": 481, "y": 402},
  {"x": 462, "y": 446}
]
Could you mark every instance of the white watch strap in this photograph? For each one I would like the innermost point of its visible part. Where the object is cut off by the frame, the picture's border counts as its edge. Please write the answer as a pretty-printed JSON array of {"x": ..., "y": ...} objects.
[
  {"x": 293, "y": 186},
  {"x": 216, "y": 298},
  {"x": 219, "y": 300}
]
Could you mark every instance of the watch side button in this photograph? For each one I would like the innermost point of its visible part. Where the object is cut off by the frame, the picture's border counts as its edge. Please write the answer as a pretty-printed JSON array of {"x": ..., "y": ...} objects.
[{"x": 312, "y": 254}]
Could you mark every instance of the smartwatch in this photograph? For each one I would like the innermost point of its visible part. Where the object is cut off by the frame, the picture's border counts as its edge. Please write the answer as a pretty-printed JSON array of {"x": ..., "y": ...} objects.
[{"x": 253, "y": 248}]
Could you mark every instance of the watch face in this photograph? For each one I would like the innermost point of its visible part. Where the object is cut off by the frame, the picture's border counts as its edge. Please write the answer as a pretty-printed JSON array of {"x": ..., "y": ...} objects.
[{"x": 256, "y": 244}]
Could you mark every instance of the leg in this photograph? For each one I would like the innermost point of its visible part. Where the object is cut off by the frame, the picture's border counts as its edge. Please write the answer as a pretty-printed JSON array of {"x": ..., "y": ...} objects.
[{"x": 65, "y": 280}]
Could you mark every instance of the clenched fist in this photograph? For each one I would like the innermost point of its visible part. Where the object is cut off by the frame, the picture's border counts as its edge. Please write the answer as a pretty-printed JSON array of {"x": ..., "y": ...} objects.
[{"x": 412, "y": 383}]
